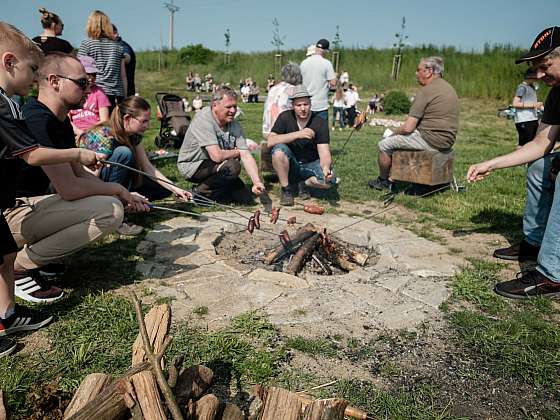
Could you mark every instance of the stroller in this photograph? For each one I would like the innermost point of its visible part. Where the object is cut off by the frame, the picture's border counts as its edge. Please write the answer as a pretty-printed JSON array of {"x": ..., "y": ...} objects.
[{"x": 174, "y": 120}]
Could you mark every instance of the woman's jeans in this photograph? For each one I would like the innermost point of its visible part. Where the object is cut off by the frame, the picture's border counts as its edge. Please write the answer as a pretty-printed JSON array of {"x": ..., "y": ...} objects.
[{"x": 148, "y": 188}]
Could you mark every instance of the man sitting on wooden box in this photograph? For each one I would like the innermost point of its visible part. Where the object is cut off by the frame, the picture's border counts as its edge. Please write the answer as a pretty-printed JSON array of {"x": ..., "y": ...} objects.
[
  {"x": 432, "y": 123},
  {"x": 301, "y": 155}
]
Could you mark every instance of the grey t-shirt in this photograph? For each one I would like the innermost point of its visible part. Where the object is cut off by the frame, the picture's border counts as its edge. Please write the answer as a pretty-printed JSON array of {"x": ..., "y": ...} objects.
[
  {"x": 204, "y": 131},
  {"x": 316, "y": 72},
  {"x": 528, "y": 94}
]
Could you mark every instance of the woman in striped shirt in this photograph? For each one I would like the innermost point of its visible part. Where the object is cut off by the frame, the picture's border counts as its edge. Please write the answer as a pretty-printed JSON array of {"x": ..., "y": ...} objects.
[{"x": 108, "y": 55}]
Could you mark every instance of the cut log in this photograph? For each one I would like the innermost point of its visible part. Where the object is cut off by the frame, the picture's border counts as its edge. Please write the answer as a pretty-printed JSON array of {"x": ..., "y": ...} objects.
[
  {"x": 335, "y": 252},
  {"x": 280, "y": 404},
  {"x": 302, "y": 254},
  {"x": 330, "y": 409},
  {"x": 301, "y": 235},
  {"x": 113, "y": 401},
  {"x": 147, "y": 395},
  {"x": 157, "y": 324},
  {"x": 3, "y": 413},
  {"x": 206, "y": 408},
  {"x": 422, "y": 167},
  {"x": 173, "y": 371},
  {"x": 192, "y": 383},
  {"x": 91, "y": 387},
  {"x": 232, "y": 412},
  {"x": 355, "y": 256}
]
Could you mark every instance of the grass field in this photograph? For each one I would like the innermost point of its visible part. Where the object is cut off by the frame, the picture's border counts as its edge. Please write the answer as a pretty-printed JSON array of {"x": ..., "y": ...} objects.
[{"x": 488, "y": 358}]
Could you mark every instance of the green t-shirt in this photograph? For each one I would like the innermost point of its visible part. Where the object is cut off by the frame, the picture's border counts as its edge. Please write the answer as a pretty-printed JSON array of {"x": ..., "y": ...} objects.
[
  {"x": 437, "y": 108},
  {"x": 204, "y": 131}
]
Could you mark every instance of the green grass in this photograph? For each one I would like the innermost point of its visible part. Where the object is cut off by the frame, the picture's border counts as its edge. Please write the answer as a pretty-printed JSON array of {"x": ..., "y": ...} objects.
[
  {"x": 515, "y": 339},
  {"x": 315, "y": 347}
]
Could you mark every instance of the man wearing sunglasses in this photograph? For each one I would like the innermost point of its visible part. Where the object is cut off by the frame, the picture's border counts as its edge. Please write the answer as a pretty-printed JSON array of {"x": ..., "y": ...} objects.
[{"x": 49, "y": 227}]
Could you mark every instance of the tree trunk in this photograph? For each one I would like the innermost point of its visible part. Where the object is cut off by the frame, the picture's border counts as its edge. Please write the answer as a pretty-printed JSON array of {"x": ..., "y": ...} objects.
[
  {"x": 301, "y": 235},
  {"x": 331, "y": 409},
  {"x": 302, "y": 254},
  {"x": 192, "y": 383},
  {"x": 157, "y": 324},
  {"x": 205, "y": 409},
  {"x": 280, "y": 404},
  {"x": 91, "y": 387},
  {"x": 113, "y": 401},
  {"x": 147, "y": 395}
]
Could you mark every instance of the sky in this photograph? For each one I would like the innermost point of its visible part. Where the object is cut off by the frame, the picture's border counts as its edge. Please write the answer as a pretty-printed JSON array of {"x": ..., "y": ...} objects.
[{"x": 144, "y": 24}]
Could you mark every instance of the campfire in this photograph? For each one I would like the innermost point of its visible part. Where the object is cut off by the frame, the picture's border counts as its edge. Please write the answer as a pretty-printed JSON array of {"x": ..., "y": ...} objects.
[{"x": 315, "y": 247}]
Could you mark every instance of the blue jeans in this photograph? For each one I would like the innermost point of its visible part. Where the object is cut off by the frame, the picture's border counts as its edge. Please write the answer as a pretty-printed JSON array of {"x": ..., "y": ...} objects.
[
  {"x": 338, "y": 110},
  {"x": 541, "y": 218},
  {"x": 324, "y": 114},
  {"x": 148, "y": 188},
  {"x": 300, "y": 171}
]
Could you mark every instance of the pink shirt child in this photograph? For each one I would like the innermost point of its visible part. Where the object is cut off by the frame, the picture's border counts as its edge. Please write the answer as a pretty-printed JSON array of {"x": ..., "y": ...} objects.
[{"x": 89, "y": 115}]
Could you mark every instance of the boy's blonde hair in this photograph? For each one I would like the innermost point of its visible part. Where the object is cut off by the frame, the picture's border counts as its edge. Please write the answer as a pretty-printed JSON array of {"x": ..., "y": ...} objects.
[
  {"x": 12, "y": 39},
  {"x": 99, "y": 26}
]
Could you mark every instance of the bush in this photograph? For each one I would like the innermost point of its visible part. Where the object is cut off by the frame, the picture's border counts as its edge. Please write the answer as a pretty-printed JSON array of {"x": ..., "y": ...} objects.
[
  {"x": 195, "y": 54},
  {"x": 396, "y": 102}
]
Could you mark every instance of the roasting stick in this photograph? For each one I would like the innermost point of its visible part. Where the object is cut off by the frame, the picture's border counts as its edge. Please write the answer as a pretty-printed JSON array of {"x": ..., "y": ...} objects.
[
  {"x": 192, "y": 213},
  {"x": 198, "y": 199}
]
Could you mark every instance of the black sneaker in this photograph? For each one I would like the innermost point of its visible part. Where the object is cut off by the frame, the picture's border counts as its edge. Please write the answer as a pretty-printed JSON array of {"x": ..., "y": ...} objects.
[
  {"x": 52, "y": 270},
  {"x": 29, "y": 286},
  {"x": 7, "y": 346},
  {"x": 23, "y": 319},
  {"x": 522, "y": 252},
  {"x": 528, "y": 284},
  {"x": 380, "y": 184},
  {"x": 303, "y": 191},
  {"x": 287, "y": 198}
]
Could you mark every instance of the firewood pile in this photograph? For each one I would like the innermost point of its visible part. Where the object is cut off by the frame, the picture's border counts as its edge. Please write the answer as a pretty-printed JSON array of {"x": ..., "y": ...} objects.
[
  {"x": 150, "y": 391},
  {"x": 312, "y": 244}
]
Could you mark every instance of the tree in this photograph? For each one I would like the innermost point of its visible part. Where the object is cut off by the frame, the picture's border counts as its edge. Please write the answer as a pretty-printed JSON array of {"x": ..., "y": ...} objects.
[
  {"x": 401, "y": 37},
  {"x": 337, "y": 40},
  {"x": 277, "y": 39},
  {"x": 227, "y": 36}
]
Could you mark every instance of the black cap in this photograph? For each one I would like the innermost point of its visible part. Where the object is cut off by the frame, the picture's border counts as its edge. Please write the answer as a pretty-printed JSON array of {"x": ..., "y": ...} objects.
[
  {"x": 323, "y": 44},
  {"x": 544, "y": 43}
]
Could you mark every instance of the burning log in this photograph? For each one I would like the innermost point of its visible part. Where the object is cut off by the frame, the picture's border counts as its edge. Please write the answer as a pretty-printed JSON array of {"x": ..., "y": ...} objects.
[
  {"x": 303, "y": 254},
  {"x": 301, "y": 235}
]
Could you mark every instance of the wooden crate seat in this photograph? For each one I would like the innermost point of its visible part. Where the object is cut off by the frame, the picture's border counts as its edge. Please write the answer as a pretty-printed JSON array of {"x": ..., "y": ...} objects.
[{"x": 422, "y": 167}]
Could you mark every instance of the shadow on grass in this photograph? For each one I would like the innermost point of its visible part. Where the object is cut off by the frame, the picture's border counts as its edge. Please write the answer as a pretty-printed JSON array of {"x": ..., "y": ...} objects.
[{"x": 493, "y": 220}]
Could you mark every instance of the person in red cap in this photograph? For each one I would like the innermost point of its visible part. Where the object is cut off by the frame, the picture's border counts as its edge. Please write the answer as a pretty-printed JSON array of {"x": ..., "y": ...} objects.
[{"x": 541, "y": 218}]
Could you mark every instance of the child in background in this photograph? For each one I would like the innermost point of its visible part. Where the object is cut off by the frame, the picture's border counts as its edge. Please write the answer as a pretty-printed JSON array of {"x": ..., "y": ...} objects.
[
  {"x": 526, "y": 106},
  {"x": 96, "y": 107}
]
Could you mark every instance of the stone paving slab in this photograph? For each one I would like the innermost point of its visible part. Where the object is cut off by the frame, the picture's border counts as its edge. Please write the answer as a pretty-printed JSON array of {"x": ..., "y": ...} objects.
[{"x": 405, "y": 286}]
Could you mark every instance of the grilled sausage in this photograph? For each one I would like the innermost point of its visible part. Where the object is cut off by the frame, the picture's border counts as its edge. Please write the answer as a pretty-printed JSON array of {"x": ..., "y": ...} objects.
[
  {"x": 312, "y": 209},
  {"x": 257, "y": 217},
  {"x": 251, "y": 224},
  {"x": 274, "y": 215}
]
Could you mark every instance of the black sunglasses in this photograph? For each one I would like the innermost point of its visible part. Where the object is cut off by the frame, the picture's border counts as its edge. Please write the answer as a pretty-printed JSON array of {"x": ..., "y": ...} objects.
[{"x": 82, "y": 83}]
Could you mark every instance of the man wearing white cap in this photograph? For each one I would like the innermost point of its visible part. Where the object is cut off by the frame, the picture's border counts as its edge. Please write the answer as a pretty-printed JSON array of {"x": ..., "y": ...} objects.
[
  {"x": 318, "y": 76},
  {"x": 300, "y": 149}
]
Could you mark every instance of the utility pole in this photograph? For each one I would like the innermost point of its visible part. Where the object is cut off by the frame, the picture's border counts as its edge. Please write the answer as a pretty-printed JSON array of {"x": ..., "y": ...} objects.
[{"x": 172, "y": 9}]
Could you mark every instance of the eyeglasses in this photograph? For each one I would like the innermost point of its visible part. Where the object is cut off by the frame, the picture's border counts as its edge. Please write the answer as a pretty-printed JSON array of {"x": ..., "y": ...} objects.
[{"x": 83, "y": 83}]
